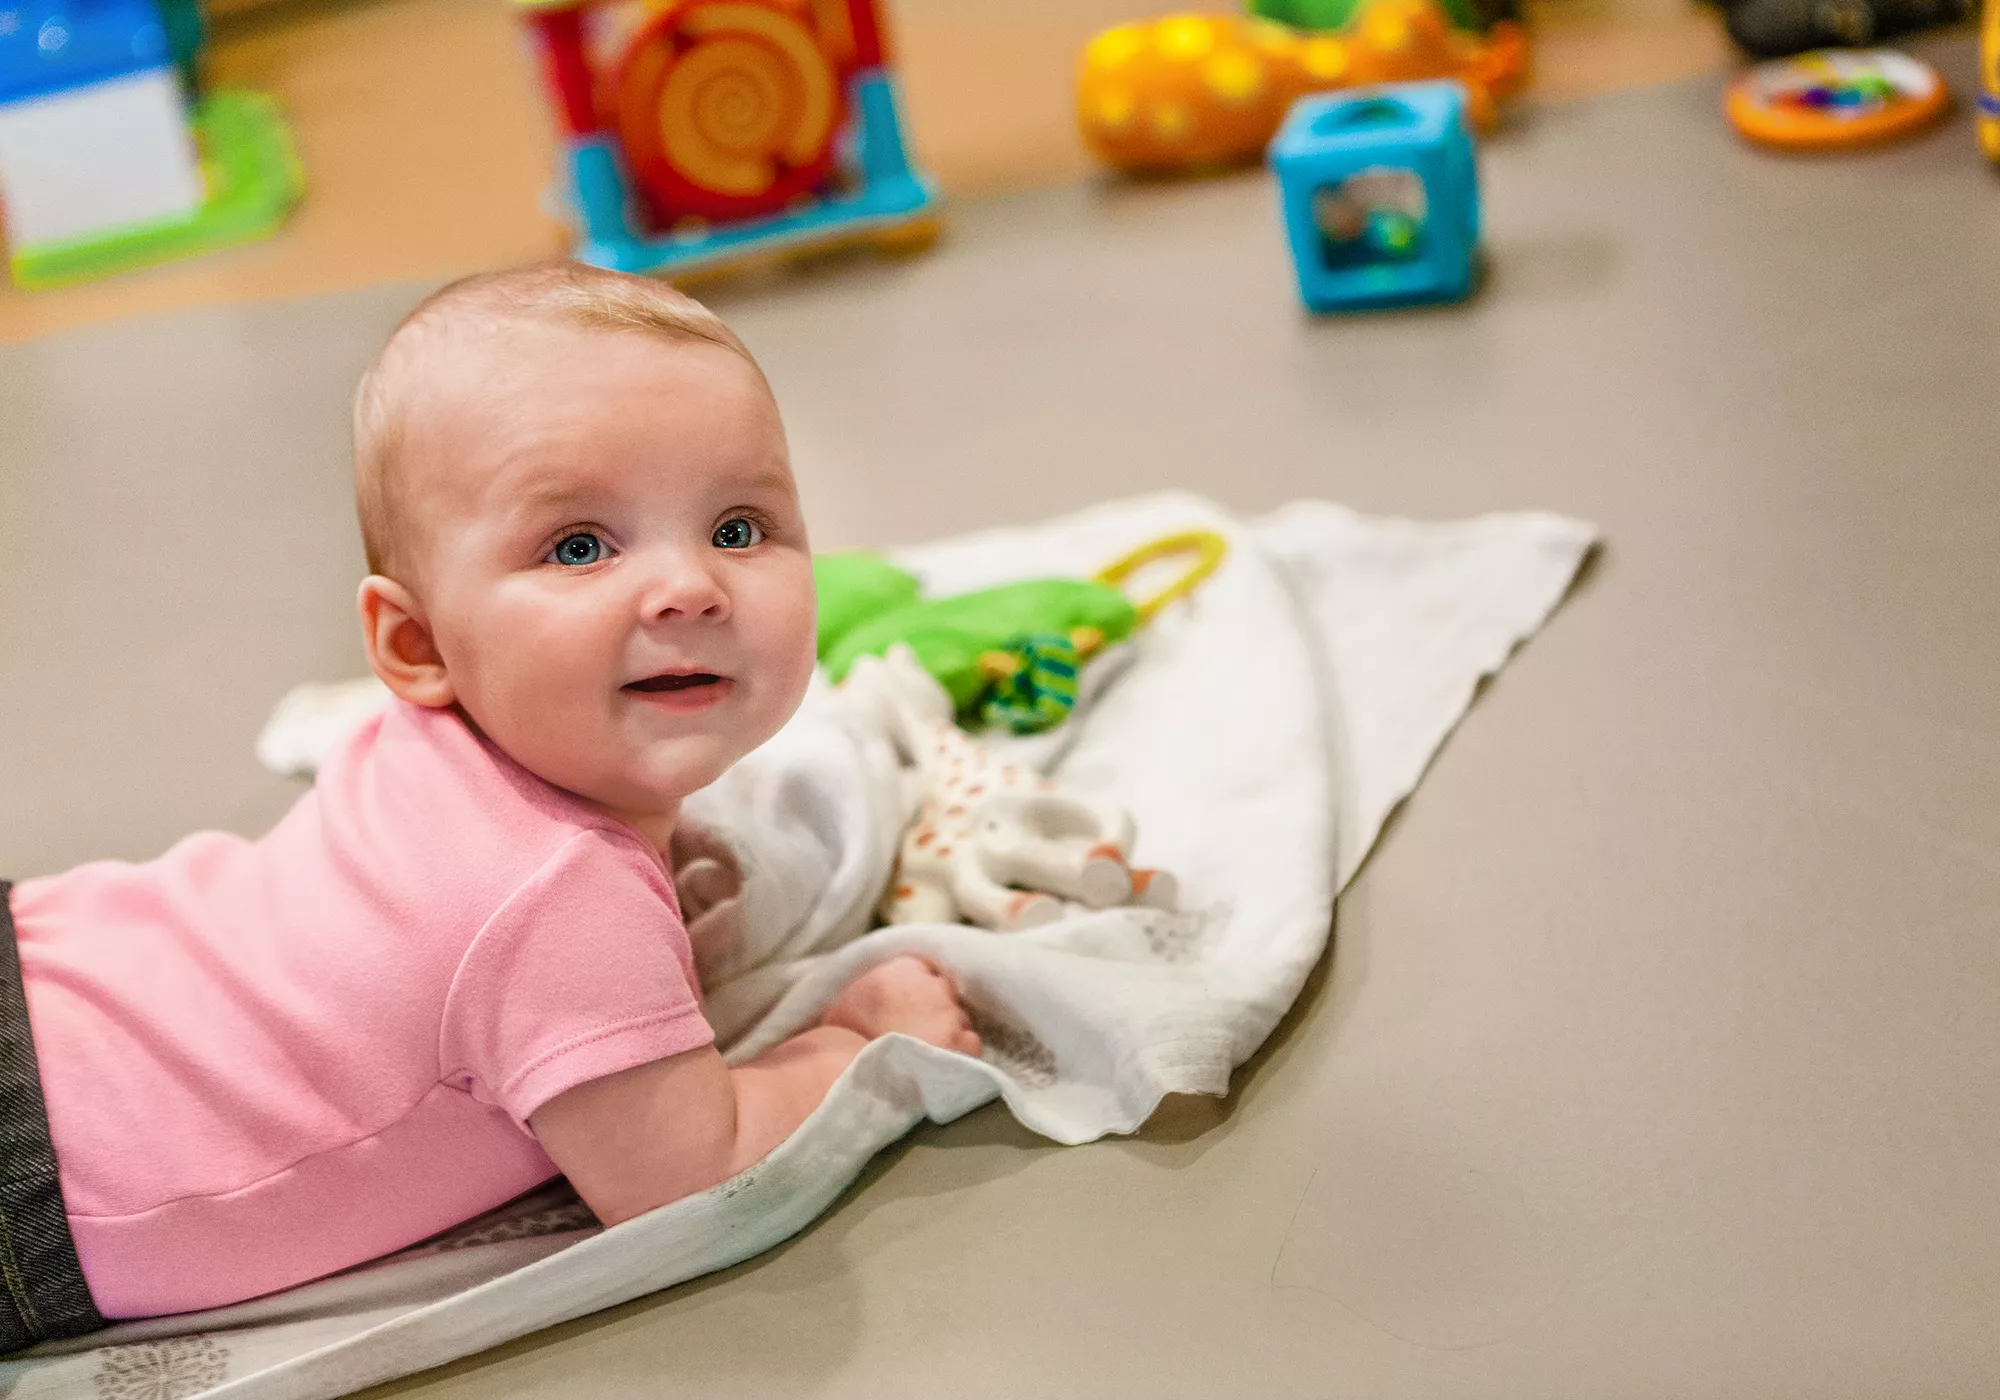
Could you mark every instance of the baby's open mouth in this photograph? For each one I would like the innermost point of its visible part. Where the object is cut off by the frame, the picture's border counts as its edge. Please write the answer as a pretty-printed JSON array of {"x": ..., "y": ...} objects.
[{"x": 685, "y": 681}]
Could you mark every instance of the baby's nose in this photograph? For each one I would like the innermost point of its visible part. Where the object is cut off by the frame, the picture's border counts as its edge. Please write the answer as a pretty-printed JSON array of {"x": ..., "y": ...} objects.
[{"x": 682, "y": 586}]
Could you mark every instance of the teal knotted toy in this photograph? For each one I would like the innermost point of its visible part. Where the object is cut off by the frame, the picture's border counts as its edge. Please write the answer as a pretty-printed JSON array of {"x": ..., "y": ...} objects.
[
  {"x": 1008, "y": 656},
  {"x": 1040, "y": 691}
]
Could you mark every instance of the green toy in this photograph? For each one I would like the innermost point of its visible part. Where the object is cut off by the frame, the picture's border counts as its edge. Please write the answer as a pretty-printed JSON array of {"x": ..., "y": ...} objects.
[
  {"x": 1040, "y": 691},
  {"x": 1007, "y": 656},
  {"x": 1326, "y": 15},
  {"x": 254, "y": 179},
  {"x": 853, "y": 586}
]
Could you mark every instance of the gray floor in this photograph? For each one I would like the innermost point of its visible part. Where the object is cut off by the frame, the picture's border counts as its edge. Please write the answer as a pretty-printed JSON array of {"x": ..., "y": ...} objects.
[{"x": 1658, "y": 1054}]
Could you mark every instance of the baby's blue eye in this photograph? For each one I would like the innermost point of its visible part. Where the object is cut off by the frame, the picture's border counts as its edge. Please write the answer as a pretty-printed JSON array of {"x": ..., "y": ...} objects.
[
  {"x": 580, "y": 548},
  {"x": 737, "y": 534}
]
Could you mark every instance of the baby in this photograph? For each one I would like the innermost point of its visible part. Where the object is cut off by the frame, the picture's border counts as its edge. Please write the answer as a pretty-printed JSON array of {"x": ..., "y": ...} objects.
[{"x": 457, "y": 967}]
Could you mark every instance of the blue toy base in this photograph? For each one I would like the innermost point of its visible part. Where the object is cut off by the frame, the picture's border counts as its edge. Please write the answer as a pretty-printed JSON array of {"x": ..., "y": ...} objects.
[
  {"x": 882, "y": 203},
  {"x": 824, "y": 226},
  {"x": 1441, "y": 295}
]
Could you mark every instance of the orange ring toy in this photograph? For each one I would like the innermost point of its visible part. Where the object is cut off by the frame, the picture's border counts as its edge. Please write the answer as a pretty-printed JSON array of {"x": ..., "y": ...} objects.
[
  {"x": 728, "y": 109},
  {"x": 1835, "y": 98}
]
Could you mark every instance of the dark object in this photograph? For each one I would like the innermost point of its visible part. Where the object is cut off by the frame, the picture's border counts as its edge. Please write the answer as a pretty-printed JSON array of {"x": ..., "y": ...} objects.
[
  {"x": 185, "y": 35},
  {"x": 1775, "y": 28},
  {"x": 42, "y": 1289}
]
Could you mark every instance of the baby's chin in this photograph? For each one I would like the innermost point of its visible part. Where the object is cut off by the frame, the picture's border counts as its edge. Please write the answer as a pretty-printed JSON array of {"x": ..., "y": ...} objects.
[
  {"x": 641, "y": 786},
  {"x": 659, "y": 775},
  {"x": 635, "y": 773}
]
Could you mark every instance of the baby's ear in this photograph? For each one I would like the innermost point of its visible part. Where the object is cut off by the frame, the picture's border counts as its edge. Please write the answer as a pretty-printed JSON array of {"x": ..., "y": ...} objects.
[{"x": 400, "y": 647}]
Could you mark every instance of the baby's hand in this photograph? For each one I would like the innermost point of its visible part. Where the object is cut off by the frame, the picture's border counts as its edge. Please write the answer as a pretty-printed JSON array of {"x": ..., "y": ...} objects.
[{"x": 907, "y": 994}]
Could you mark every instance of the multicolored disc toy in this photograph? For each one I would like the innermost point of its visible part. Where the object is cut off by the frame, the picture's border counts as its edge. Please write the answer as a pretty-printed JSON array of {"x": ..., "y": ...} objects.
[{"x": 1834, "y": 98}]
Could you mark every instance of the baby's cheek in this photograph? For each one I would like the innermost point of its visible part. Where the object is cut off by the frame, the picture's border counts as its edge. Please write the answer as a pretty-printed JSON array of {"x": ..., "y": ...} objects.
[
  {"x": 541, "y": 707},
  {"x": 565, "y": 726},
  {"x": 792, "y": 673}
]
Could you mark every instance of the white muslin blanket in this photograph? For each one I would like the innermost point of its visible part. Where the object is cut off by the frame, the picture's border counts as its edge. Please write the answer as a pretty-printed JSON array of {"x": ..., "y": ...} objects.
[{"x": 1259, "y": 734}]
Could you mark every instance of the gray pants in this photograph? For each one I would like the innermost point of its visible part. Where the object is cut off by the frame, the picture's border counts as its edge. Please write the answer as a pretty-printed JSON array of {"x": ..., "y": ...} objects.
[{"x": 42, "y": 1291}]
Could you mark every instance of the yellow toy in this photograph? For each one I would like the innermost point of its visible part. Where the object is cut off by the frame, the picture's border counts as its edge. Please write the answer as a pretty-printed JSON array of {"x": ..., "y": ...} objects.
[
  {"x": 1191, "y": 91},
  {"x": 1989, "y": 80}
]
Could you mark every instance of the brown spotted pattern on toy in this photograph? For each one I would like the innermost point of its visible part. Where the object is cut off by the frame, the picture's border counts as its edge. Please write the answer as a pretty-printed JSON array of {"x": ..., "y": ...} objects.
[
  {"x": 992, "y": 843},
  {"x": 961, "y": 773}
]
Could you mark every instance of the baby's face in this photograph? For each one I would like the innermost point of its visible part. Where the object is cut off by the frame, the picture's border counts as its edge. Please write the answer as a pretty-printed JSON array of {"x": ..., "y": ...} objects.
[{"x": 608, "y": 547}]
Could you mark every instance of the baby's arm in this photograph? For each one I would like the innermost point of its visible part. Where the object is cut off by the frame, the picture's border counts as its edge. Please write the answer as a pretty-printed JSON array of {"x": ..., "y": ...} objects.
[{"x": 657, "y": 1132}]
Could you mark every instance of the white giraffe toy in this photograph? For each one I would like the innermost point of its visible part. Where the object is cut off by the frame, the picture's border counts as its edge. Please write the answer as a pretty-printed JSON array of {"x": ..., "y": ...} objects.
[{"x": 992, "y": 843}]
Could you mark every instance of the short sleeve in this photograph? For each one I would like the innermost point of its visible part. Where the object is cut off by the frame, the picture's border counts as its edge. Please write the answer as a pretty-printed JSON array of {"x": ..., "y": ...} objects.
[{"x": 584, "y": 971}]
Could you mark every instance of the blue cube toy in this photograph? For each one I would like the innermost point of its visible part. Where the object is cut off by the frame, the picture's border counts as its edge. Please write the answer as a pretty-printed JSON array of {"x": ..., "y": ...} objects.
[{"x": 1380, "y": 194}]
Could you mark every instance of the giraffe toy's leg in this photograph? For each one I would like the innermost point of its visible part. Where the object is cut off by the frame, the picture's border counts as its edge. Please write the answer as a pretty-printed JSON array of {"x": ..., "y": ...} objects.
[
  {"x": 990, "y": 904},
  {"x": 1053, "y": 842},
  {"x": 1156, "y": 889},
  {"x": 919, "y": 900}
]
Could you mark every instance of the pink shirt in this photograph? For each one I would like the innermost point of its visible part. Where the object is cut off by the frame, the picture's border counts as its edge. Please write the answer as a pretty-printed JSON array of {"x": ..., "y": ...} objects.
[{"x": 268, "y": 1060}]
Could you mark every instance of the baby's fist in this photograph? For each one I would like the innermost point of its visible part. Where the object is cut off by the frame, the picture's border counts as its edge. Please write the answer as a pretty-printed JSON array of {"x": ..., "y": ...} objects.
[{"x": 907, "y": 994}]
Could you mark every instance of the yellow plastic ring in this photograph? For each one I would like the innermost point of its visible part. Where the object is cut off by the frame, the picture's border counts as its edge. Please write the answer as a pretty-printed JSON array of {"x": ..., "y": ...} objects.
[{"x": 1209, "y": 550}]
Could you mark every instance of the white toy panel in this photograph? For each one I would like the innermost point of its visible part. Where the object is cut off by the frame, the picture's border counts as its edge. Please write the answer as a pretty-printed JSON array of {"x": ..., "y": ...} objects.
[{"x": 97, "y": 157}]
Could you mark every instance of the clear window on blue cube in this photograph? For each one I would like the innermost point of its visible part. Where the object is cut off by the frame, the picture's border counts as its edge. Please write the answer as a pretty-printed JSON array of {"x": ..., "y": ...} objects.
[{"x": 1374, "y": 217}]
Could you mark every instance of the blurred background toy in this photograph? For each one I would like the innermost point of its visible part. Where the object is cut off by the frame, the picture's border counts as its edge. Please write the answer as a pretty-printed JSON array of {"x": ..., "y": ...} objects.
[
  {"x": 110, "y": 156},
  {"x": 1380, "y": 196},
  {"x": 1776, "y": 28},
  {"x": 700, "y": 134},
  {"x": 187, "y": 32},
  {"x": 1835, "y": 98},
  {"x": 1472, "y": 16},
  {"x": 1192, "y": 90},
  {"x": 1989, "y": 80}
]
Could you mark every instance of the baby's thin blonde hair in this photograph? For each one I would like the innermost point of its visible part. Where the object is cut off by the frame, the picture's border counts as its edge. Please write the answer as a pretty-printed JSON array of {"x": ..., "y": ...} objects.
[{"x": 548, "y": 293}]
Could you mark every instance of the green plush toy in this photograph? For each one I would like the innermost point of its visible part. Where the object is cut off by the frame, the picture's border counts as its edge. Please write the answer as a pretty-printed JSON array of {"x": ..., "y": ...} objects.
[
  {"x": 1332, "y": 16},
  {"x": 1007, "y": 656},
  {"x": 853, "y": 586}
]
